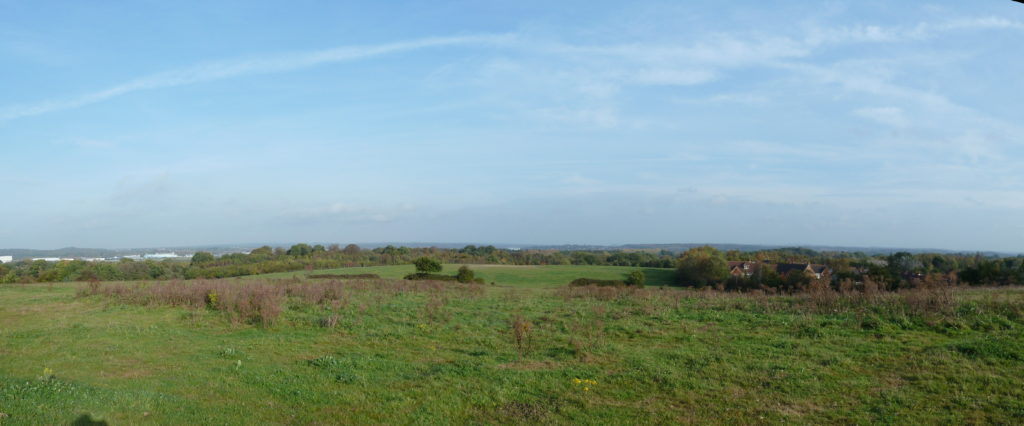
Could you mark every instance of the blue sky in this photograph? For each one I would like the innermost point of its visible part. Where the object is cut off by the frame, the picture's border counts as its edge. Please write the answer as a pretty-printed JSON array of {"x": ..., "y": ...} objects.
[{"x": 863, "y": 123}]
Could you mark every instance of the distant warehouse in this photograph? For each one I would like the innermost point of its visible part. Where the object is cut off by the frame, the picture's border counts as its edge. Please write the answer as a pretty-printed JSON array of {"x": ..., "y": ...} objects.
[{"x": 6, "y": 259}]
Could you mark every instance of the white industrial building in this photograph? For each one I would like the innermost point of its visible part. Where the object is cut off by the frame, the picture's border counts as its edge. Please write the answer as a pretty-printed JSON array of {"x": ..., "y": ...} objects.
[
  {"x": 161, "y": 256},
  {"x": 6, "y": 259}
]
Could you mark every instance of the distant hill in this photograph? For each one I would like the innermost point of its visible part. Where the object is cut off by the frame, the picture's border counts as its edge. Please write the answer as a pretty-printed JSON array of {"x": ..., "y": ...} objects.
[
  {"x": 219, "y": 249},
  {"x": 63, "y": 252}
]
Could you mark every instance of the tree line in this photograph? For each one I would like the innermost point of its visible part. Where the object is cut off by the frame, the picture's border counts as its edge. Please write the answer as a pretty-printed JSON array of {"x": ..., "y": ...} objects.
[
  {"x": 709, "y": 264},
  {"x": 709, "y": 267}
]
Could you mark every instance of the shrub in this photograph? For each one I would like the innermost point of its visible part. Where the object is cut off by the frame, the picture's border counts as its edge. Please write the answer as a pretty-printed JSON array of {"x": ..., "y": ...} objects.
[
  {"x": 636, "y": 278},
  {"x": 522, "y": 334},
  {"x": 465, "y": 275},
  {"x": 427, "y": 265},
  {"x": 211, "y": 299}
]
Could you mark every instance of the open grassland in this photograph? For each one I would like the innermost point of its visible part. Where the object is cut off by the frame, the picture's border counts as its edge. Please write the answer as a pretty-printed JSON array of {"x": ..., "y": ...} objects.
[
  {"x": 510, "y": 275},
  {"x": 400, "y": 352}
]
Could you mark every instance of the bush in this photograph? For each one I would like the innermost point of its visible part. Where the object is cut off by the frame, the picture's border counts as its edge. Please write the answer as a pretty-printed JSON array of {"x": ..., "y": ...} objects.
[
  {"x": 465, "y": 275},
  {"x": 427, "y": 265},
  {"x": 636, "y": 278},
  {"x": 522, "y": 334}
]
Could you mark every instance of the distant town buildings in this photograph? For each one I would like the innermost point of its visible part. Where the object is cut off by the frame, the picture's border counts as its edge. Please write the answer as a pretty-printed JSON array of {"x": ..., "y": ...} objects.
[
  {"x": 147, "y": 256},
  {"x": 161, "y": 256},
  {"x": 6, "y": 259}
]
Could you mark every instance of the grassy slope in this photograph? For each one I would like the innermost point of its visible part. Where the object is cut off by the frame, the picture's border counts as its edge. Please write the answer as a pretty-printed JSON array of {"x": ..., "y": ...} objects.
[
  {"x": 389, "y": 362},
  {"x": 510, "y": 275}
]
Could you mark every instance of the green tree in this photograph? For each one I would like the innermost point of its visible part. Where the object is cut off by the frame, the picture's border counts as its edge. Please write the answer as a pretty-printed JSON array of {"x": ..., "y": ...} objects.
[
  {"x": 903, "y": 263},
  {"x": 300, "y": 249},
  {"x": 702, "y": 266},
  {"x": 765, "y": 275},
  {"x": 426, "y": 265},
  {"x": 262, "y": 251},
  {"x": 202, "y": 257},
  {"x": 796, "y": 281}
]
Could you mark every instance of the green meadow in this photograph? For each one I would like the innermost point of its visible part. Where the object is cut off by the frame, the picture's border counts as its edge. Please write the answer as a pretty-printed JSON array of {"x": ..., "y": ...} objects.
[
  {"x": 526, "y": 350},
  {"x": 509, "y": 275}
]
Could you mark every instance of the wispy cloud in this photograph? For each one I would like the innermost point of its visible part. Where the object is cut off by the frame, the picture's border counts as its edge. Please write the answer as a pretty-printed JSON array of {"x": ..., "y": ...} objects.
[
  {"x": 921, "y": 31},
  {"x": 892, "y": 116},
  {"x": 237, "y": 67},
  {"x": 348, "y": 212},
  {"x": 636, "y": 63}
]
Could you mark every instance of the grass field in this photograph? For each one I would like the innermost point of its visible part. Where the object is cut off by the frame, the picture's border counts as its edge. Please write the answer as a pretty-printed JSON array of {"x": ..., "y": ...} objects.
[
  {"x": 447, "y": 354},
  {"x": 510, "y": 275}
]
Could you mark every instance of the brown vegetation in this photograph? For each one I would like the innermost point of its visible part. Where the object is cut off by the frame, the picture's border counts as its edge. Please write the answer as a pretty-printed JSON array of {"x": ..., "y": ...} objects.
[
  {"x": 261, "y": 302},
  {"x": 522, "y": 334},
  {"x": 934, "y": 300}
]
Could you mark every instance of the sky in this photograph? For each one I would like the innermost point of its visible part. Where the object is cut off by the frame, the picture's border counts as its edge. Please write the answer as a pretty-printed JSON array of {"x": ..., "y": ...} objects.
[{"x": 852, "y": 123}]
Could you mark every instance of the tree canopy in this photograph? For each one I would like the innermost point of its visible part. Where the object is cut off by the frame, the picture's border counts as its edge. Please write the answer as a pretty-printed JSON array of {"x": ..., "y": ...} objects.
[
  {"x": 702, "y": 266},
  {"x": 427, "y": 265}
]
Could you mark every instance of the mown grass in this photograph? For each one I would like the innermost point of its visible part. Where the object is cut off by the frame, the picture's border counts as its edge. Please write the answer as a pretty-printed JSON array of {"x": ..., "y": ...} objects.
[
  {"x": 530, "y": 276},
  {"x": 442, "y": 353}
]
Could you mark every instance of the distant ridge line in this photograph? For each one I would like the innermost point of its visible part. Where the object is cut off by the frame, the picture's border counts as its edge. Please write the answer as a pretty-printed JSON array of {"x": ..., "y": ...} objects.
[{"x": 673, "y": 247}]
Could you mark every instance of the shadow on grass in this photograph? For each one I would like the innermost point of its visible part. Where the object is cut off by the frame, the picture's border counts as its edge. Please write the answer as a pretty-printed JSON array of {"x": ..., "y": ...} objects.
[{"x": 86, "y": 420}]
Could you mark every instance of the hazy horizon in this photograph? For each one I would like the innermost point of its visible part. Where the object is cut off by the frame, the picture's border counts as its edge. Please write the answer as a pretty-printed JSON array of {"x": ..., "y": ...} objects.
[
  {"x": 857, "y": 124},
  {"x": 461, "y": 244}
]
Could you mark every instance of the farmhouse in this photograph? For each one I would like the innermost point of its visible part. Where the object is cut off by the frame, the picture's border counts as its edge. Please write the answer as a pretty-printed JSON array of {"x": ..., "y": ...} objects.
[
  {"x": 748, "y": 268},
  {"x": 742, "y": 269},
  {"x": 819, "y": 271}
]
